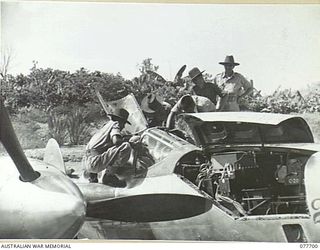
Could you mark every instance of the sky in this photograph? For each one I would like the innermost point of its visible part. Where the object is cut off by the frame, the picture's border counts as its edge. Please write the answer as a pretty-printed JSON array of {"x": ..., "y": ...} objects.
[{"x": 274, "y": 44}]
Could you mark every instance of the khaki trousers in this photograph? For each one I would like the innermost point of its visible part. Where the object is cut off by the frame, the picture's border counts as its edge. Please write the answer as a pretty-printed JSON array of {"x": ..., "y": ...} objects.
[{"x": 111, "y": 160}]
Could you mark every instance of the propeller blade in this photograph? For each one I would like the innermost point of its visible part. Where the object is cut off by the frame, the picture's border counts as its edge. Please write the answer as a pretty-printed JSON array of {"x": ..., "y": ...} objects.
[
  {"x": 181, "y": 70},
  {"x": 177, "y": 78},
  {"x": 13, "y": 147},
  {"x": 53, "y": 156},
  {"x": 156, "y": 76}
]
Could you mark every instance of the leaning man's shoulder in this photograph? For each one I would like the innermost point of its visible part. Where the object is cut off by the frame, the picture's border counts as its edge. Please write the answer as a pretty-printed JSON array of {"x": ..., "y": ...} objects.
[{"x": 238, "y": 74}]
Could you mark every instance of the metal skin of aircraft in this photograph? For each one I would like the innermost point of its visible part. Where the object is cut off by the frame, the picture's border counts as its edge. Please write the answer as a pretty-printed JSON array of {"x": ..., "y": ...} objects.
[
  {"x": 166, "y": 203},
  {"x": 37, "y": 200}
]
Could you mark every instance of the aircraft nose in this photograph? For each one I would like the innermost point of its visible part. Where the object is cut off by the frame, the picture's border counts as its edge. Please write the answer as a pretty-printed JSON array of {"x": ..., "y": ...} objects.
[
  {"x": 66, "y": 214},
  {"x": 31, "y": 210},
  {"x": 68, "y": 208},
  {"x": 53, "y": 215}
]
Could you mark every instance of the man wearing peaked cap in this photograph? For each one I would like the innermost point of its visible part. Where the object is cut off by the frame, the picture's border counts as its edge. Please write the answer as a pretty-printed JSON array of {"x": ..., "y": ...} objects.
[
  {"x": 203, "y": 88},
  {"x": 234, "y": 86},
  {"x": 107, "y": 151}
]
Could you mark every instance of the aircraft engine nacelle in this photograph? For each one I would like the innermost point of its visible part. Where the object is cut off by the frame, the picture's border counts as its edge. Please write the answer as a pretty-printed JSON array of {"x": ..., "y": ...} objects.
[
  {"x": 37, "y": 200},
  {"x": 49, "y": 207}
]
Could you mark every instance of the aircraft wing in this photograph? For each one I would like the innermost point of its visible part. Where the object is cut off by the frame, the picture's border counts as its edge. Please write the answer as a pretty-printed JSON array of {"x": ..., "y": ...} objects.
[{"x": 159, "y": 198}]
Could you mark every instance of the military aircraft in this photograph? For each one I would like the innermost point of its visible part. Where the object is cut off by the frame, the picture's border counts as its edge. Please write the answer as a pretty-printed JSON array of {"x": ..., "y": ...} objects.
[
  {"x": 240, "y": 176},
  {"x": 37, "y": 200}
]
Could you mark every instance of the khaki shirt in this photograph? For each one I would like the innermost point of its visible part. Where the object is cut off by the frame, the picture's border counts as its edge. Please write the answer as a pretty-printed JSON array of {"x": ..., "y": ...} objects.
[
  {"x": 232, "y": 87},
  {"x": 236, "y": 84},
  {"x": 102, "y": 140}
]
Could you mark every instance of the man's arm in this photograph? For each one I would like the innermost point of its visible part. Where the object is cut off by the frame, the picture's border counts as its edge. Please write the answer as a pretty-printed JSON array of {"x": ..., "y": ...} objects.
[
  {"x": 218, "y": 104},
  {"x": 115, "y": 135},
  {"x": 217, "y": 89},
  {"x": 170, "y": 120},
  {"x": 219, "y": 92},
  {"x": 171, "y": 117},
  {"x": 247, "y": 86}
]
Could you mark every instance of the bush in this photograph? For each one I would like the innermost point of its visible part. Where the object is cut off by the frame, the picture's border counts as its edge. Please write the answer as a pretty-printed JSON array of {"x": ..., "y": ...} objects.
[
  {"x": 285, "y": 101},
  {"x": 94, "y": 112},
  {"x": 71, "y": 124},
  {"x": 28, "y": 114},
  {"x": 77, "y": 126},
  {"x": 57, "y": 125}
]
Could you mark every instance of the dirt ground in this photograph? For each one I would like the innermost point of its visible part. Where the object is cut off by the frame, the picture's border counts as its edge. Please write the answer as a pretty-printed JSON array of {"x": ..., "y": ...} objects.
[{"x": 72, "y": 156}]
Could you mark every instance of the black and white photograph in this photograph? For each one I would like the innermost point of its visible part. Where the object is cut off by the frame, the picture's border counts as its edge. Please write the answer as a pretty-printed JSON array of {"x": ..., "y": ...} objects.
[{"x": 160, "y": 122}]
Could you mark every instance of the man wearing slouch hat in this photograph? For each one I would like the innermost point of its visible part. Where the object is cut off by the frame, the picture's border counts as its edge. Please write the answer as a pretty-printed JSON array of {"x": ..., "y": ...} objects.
[
  {"x": 107, "y": 151},
  {"x": 234, "y": 86}
]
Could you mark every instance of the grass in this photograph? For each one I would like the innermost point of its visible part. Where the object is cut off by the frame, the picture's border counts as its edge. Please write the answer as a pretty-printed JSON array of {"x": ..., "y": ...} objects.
[{"x": 70, "y": 154}]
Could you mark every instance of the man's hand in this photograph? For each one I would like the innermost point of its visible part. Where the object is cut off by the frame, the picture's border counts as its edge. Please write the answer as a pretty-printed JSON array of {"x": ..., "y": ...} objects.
[
  {"x": 134, "y": 141},
  {"x": 116, "y": 140}
]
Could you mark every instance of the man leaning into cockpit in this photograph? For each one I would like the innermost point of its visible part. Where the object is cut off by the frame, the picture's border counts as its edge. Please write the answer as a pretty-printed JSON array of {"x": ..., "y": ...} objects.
[{"x": 107, "y": 151}]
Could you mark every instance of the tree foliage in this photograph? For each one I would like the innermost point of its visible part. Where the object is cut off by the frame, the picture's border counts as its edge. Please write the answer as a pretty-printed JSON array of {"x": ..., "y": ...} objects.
[
  {"x": 285, "y": 101},
  {"x": 48, "y": 89}
]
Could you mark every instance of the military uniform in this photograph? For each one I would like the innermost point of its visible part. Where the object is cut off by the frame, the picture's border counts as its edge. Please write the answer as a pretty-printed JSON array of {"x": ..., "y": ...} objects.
[
  {"x": 232, "y": 88},
  {"x": 102, "y": 154}
]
